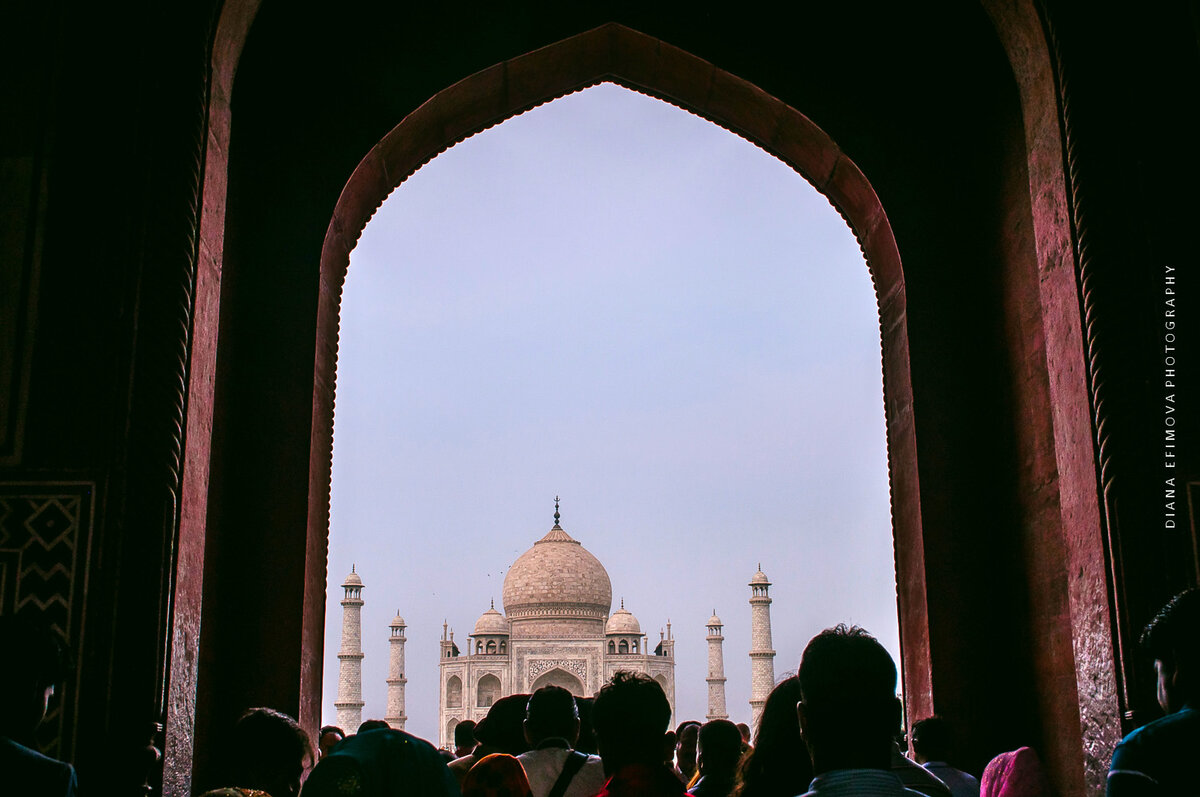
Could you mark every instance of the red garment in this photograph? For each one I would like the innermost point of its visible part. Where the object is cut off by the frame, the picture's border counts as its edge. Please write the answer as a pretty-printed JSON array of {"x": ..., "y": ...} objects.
[
  {"x": 1015, "y": 774},
  {"x": 643, "y": 780},
  {"x": 496, "y": 775}
]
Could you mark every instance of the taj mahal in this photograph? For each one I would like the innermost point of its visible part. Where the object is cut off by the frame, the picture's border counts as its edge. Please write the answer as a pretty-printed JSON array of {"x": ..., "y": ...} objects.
[{"x": 557, "y": 628}]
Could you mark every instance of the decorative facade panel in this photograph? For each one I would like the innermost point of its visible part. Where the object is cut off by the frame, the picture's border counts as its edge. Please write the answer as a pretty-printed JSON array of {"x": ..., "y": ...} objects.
[{"x": 45, "y": 531}]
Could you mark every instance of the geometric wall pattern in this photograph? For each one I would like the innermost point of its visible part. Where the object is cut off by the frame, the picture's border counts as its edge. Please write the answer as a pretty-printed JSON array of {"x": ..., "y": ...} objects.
[{"x": 45, "y": 529}]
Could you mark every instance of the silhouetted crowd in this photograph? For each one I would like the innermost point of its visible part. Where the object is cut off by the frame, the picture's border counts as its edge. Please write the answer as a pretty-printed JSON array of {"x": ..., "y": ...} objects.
[{"x": 832, "y": 729}]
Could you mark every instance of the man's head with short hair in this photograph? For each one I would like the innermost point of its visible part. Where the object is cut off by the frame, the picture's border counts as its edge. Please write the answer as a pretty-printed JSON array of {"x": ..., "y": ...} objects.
[
  {"x": 686, "y": 736},
  {"x": 268, "y": 750},
  {"x": 849, "y": 712},
  {"x": 373, "y": 725},
  {"x": 630, "y": 715},
  {"x": 551, "y": 713},
  {"x": 718, "y": 749},
  {"x": 464, "y": 738},
  {"x": 930, "y": 740},
  {"x": 1173, "y": 639}
]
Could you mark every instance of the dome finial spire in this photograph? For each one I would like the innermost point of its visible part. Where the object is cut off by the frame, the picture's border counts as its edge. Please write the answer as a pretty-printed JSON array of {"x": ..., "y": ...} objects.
[
  {"x": 556, "y": 515},
  {"x": 493, "y": 603},
  {"x": 622, "y": 604}
]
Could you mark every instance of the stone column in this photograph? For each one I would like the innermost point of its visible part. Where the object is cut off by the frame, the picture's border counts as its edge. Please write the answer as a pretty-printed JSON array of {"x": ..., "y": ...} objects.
[
  {"x": 349, "y": 703},
  {"x": 762, "y": 655},
  {"x": 716, "y": 670}
]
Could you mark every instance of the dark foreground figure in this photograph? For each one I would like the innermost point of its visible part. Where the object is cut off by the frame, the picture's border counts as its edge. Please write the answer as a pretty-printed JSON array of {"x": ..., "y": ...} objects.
[
  {"x": 552, "y": 764},
  {"x": 849, "y": 714},
  {"x": 266, "y": 752},
  {"x": 718, "y": 751},
  {"x": 382, "y": 763},
  {"x": 1163, "y": 757},
  {"x": 932, "y": 742},
  {"x": 773, "y": 767},
  {"x": 630, "y": 715},
  {"x": 31, "y": 667}
]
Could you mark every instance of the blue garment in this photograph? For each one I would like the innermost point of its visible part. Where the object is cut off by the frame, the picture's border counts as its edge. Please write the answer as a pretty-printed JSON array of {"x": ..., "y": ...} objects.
[
  {"x": 28, "y": 772},
  {"x": 858, "y": 783},
  {"x": 709, "y": 786},
  {"x": 1161, "y": 757},
  {"x": 961, "y": 783}
]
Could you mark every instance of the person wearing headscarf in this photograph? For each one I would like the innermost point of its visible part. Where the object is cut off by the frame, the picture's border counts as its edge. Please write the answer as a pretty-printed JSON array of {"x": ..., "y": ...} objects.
[
  {"x": 1017, "y": 773},
  {"x": 497, "y": 775}
]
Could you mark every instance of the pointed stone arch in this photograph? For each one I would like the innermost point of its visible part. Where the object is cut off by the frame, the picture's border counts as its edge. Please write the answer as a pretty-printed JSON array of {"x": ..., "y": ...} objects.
[
  {"x": 618, "y": 54},
  {"x": 487, "y": 690},
  {"x": 1075, "y": 607},
  {"x": 558, "y": 677}
]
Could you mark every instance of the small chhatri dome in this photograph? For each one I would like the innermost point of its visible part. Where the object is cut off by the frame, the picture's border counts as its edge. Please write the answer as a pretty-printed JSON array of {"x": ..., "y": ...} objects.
[
  {"x": 622, "y": 622},
  {"x": 490, "y": 623},
  {"x": 352, "y": 580},
  {"x": 398, "y": 621},
  {"x": 557, "y": 577},
  {"x": 714, "y": 620},
  {"x": 760, "y": 577}
]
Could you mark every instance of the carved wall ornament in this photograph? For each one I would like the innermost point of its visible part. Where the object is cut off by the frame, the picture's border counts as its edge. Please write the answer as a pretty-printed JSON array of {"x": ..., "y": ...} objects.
[{"x": 577, "y": 667}]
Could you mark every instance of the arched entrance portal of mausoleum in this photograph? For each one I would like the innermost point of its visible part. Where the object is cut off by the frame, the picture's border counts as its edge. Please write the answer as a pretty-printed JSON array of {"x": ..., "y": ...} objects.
[
  {"x": 559, "y": 678},
  {"x": 951, "y": 179}
]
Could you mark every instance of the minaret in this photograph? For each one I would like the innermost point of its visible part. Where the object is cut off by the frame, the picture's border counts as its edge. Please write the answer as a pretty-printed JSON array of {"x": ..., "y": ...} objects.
[
  {"x": 396, "y": 680},
  {"x": 716, "y": 671},
  {"x": 762, "y": 655},
  {"x": 349, "y": 703}
]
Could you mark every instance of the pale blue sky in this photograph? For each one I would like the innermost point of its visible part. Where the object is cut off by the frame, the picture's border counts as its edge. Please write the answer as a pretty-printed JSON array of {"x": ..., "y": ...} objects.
[{"x": 615, "y": 301}]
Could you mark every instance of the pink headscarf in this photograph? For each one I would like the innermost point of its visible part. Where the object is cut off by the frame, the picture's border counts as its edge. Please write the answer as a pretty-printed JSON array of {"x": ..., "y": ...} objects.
[{"x": 1015, "y": 774}]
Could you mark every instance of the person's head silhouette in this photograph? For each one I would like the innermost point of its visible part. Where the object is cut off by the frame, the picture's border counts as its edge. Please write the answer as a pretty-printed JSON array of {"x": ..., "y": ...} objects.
[
  {"x": 849, "y": 713},
  {"x": 1172, "y": 638},
  {"x": 718, "y": 749},
  {"x": 267, "y": 750},
  {"x": 551, "y": 714},
  {"x": 630, "y": 716}
]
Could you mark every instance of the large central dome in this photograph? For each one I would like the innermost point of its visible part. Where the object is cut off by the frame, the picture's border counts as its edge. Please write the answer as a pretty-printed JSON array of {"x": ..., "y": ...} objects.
[{"x": 557, "y": 578}]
